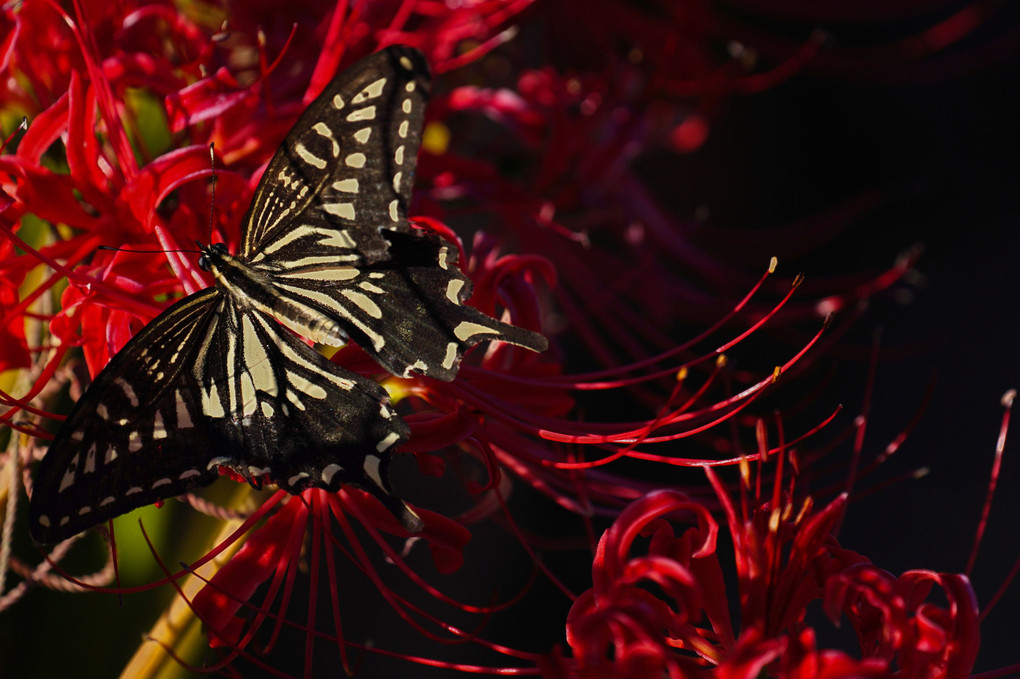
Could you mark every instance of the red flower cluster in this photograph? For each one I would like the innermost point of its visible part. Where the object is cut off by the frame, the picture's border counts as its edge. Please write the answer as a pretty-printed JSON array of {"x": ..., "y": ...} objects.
[{"x": 666, "y": 612}]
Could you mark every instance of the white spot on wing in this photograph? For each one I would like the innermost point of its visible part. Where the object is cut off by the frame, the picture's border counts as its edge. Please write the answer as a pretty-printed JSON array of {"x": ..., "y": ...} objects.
[
  {"x": 370, "y": 92},
  {"x": 189, "y": 473},
  {"x": 356, "y": 160},
  {"x": 402, "y": 130},
  {"x": 212, "y": 405},
  {"x": 293, "y": 398},
  {"x": 363, "y": 135},
  {"x": 394, "y": 216},
  {"x": 333, "y": 238},
  {"x": 161, "y": 482},
  {"x": 370, "y": 287},
  {"x": 390, "y": 439},
  {"x": 329, "y": 472},
  {"x": 363, "y": 302},
  {"x": 288, "y": 238},
  {"x": 467, "y": 330},
  {"x": 453, "y": 290},
  {"x": 309, "y": 157},
  {"x": 306, "y": 387},
  {"x": 344, "y": 273},
  {"x": 257, "y": 361},
  {"x": 346, "y": 185},
  {"x": 248, "y": 400},
  {"x": 158, "y": 426},
  {"x": 134, "y": 442},
  {"x": 451, "y": 355},
  {"x": 324, "y": 131},
  {"x": 342, "y": 210},
  {"x": 367, "y": 113}
]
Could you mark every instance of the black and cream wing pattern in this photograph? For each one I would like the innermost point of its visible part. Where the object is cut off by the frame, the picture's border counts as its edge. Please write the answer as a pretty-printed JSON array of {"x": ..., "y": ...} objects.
[{"x": 221, "y": 380}]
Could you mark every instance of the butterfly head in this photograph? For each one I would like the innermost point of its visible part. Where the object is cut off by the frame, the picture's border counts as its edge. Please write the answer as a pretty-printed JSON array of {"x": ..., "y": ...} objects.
[{"x": 212, "y": 256}]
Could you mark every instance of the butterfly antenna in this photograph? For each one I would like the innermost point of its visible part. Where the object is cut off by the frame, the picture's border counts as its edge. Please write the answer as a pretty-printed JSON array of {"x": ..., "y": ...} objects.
[
  {"x": 212, "y": 199},
  {"x": 146, "y": 252}
]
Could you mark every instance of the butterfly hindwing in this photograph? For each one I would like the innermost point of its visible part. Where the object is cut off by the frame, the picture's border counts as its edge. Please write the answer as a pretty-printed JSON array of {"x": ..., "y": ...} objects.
[
  {"x": 284, "y": 411},
  {"x": 407, "y": 311}
]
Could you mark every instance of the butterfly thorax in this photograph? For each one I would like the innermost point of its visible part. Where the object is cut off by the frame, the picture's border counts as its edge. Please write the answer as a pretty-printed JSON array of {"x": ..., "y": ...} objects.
[{"x": 251, "y": 288}]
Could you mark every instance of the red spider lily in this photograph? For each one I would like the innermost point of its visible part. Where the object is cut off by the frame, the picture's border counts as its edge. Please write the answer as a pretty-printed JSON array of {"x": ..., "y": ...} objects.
[
  {"x": 665, "y": 610},
  {"x": 272, "y": 551}
]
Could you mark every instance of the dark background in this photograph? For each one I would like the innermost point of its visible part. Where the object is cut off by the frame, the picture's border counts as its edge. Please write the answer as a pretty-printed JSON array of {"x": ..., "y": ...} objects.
[{"x": 943, "y": 148}]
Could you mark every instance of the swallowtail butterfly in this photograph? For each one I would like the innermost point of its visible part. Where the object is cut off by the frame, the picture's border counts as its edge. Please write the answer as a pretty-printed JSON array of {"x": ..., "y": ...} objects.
[{"x": 219, "y": 380}]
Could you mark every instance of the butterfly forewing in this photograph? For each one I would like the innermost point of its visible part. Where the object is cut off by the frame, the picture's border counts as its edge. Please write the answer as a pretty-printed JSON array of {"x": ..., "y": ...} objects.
[
  {"x": 131, "y": 439},
  {"x": 346, "y": 170}
]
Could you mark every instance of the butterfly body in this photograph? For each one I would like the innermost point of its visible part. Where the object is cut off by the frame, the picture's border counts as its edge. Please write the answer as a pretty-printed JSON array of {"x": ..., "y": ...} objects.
[
  {"x": 254, "y": 290},
  {"x": 222, "y": 381}
]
